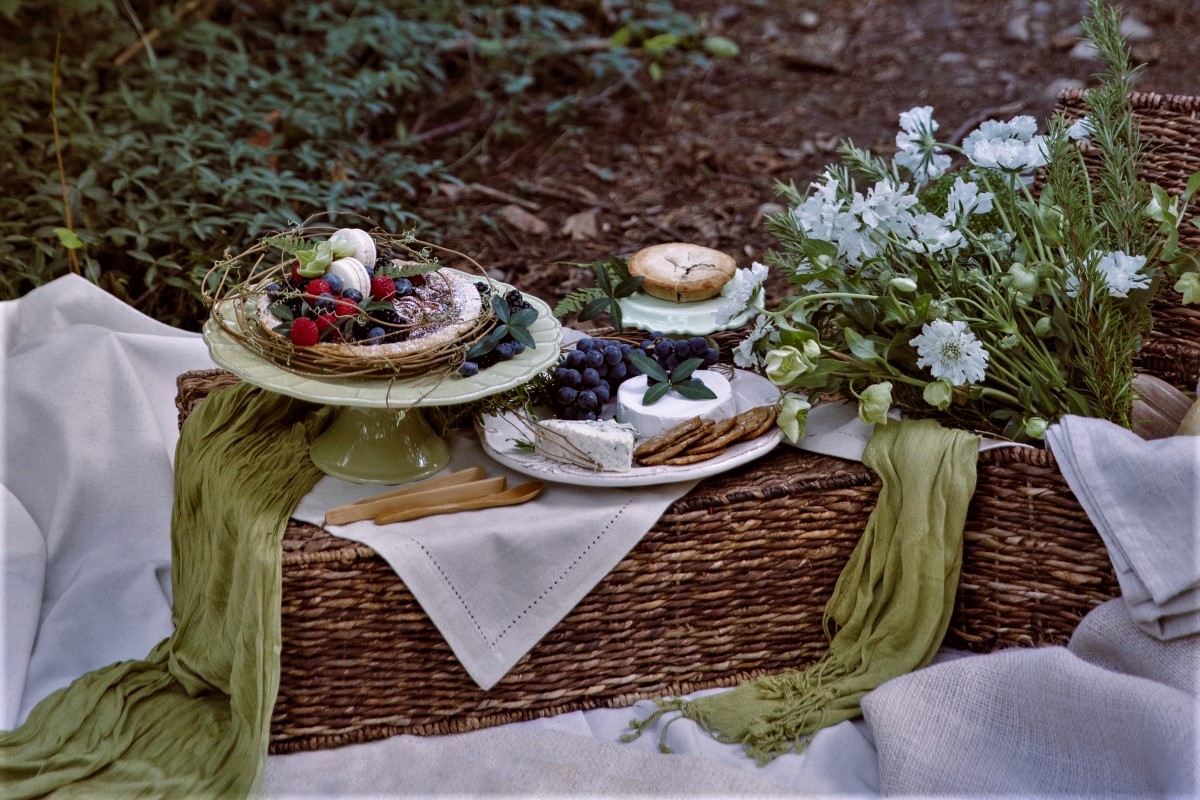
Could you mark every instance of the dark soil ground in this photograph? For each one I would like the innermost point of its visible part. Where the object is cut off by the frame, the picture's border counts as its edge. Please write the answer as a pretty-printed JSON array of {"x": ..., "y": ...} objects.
[{"x": 696, "y": 157}]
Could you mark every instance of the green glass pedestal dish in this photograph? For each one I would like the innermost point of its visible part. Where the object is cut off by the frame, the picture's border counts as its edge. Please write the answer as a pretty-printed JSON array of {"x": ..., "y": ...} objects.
[{"x": 370, "y": 442}]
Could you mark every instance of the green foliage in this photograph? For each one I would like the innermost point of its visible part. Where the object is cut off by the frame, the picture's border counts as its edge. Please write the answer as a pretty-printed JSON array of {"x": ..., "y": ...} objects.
[
  {"x": 613, "y": 282},
  {"x": 264, "y": 117}
]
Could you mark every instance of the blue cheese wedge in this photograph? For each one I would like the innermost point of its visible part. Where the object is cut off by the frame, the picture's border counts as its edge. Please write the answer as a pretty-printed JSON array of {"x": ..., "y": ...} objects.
[{"x": 602, "y": 445}]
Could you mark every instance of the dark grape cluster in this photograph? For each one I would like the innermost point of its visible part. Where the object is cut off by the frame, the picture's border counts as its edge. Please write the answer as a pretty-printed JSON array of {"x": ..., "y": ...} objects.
[
  {"x": 670, "y": 353},
  {"x": 508, "y": 346},
  {"x": 589, "y": 375}
]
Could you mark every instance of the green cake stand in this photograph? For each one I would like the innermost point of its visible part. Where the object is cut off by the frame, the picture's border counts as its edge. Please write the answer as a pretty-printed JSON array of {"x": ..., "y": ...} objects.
[{"x": 380, "y": 434}]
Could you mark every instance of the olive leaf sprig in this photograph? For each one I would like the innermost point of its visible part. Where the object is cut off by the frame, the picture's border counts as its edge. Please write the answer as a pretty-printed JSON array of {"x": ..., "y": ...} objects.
[{"x": 680, "y": 379}]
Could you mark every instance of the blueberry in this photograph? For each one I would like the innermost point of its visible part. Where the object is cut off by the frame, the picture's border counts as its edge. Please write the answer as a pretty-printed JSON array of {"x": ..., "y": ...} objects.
[
  {"x": 612, "y": 355},
  {"x": 617, "y": 372},
  {"x": 335, "y": 283},
  {"x": 573, "y": 377},
  {"x": 698, "y": 345},
  {"x": 672, "y": 363},
  {"x": 664, "y": 347},
  {"x": 657, "y": 335},
  {"x": 588, "y": 417},
  {"x": 593, "y": 358},
  {"x": 324, "y": 301},
  {"x": 625, "y": 349},
  {"x": 504, "y": 350},
  {"x": 560, "y": 376},
  {"x": 602, "y": 393},
  {"x": 468, "y": 369},
  {"x": 518, "y": 348},
  {"x": 569, "y": 412},
  {"x": 404, "y": 287},
  {"x": 647, "y": 344},
  {"x": 711, "y": 357},
  {"x": 566, "y": 395},
  {"x": 586, "y": 400},
  {"x": 683, "y": 349},
  {"x": 376, "y": 334},
  {"x": 590, "y": 377},
  {"x": 574, "y": 360},
  {"x": 583, "y": 345},
  {"x": 353, "y": 295}
]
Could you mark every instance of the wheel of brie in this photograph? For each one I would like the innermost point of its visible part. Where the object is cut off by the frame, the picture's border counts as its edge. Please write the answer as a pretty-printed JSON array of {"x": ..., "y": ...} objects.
[
  {"x": 681, "y": 272},
  {"x": 673, "y": 408},
  {"x": 443, "y": 309}
]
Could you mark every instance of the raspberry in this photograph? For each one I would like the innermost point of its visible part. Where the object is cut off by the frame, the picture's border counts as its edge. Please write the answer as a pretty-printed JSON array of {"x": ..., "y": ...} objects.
[
  {"x": 318, "y": 287},
  {"x": 304, "y": 332},
  {"x": 418, "y": 280},
  {"x": 296, "y": 276},
  {"x": 344, "y": 308},
  {"x": 382, "y": 288}
]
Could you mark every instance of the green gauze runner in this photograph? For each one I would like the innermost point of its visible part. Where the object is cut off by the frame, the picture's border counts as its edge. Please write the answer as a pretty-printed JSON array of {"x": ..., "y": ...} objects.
[
  {"x": 192, "y": 719},
  {"x": 891, "y": 605}
]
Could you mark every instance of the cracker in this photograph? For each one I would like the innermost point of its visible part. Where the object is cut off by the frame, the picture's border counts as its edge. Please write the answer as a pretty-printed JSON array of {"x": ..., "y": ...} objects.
[
  {"x": 768, "y": 421},
  {"x": 678, "y": 446},
  {"x": 692, "y": 458},
  {"x": 667, "y": 437},
  {"x": 726, "y": 432}
]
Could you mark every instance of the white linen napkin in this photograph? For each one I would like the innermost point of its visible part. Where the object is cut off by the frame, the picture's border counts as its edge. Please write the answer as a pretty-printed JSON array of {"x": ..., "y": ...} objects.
[
  {"x": 495, "y": 581},
  {"x": 1144, "y": 499}
]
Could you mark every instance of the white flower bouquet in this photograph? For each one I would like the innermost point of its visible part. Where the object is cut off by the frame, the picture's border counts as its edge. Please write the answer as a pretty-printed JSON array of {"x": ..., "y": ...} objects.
[{"x": 961, "y": 294}]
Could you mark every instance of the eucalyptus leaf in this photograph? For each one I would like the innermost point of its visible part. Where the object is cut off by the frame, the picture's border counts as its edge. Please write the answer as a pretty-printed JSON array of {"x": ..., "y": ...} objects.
[
  {"x": 500, "y": 306},
  {"x": 655, "y": 393},
  {"x": 684, "y": 369},
  {"x": 693, "y": 389},
  {"x": 524, "y": 318},
  {"x": 594, "y": 308},
  {"x": 487, "y": 343},
  {"x": 522, "y": 335},
  {"x": 649, "y": 367},
  {"x": 281, "y": 310}
]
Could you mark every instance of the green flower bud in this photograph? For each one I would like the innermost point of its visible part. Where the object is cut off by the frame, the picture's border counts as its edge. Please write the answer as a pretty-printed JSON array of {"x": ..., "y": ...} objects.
[
  {"x": 874, "y": 403},
  {"x": 785, "y": 364},
  {"x": 1188, "y": 285},
  {"x": 903, "y": 285},
  {"x": 1035, "y": 428},
  {"x": 939, "y": 394},
  {"x": 1041, "y": 328},
  {"x": 793, "y": 415},
  {"x": 1021, "y": 280}
]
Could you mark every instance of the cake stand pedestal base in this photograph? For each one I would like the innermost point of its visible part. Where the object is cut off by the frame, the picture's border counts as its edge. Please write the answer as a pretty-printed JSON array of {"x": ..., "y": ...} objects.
[{"x": 368, "y": 445}]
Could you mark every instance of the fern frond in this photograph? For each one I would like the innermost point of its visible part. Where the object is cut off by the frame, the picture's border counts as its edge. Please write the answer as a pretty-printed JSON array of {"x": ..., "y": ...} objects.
[{"x": 576, "y": 300}]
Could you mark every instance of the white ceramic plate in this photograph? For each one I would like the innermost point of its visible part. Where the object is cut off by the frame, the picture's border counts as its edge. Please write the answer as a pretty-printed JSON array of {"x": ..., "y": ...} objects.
[
  {"x": 648, "y": 313},
  {"x": 382, "y": 393},
  {"x": 497, "y": 434}
]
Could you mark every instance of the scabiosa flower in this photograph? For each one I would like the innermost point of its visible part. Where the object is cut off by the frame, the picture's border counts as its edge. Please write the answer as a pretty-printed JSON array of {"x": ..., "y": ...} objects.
[
  {"x": 918, "y": 150},
  {"x": 744, "y": 354},
  {"x": 1009, "y": 146},
  {"x": 933, "y": 234},
  {"x": 951, "y": 352},
  {"x": 1081, "y": 129},
  {"x": 739, "y": 291},
  {"x": 1119, "y": 271},
  {"x": 964, "y": 200}
]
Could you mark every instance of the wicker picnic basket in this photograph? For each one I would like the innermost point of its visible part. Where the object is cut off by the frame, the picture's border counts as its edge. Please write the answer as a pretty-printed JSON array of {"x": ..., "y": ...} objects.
[
  {"x": 1170, "y": 127},
  {"x": 730, "y": 583}
]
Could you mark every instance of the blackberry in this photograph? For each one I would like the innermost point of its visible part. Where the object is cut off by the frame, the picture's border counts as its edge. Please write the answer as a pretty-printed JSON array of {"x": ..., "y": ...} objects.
[
  {"x": 513, "y": 296},
  {"x": 294, "y": 304},
  {"x": 387, "y": 316},
  {"x": 483, "y": 289}
]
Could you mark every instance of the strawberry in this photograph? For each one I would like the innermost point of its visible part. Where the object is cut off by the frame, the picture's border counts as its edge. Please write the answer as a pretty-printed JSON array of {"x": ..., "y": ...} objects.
[
  {"x": 304, "y": 332},
  {"x": 325, "y": 321},
  {"x": 382, "y": 288},
  {"x": 318, "y": 287}
]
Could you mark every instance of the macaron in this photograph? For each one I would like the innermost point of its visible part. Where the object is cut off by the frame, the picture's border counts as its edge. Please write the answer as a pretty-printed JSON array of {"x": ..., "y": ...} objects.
[{"x": 354, "y": 243}]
